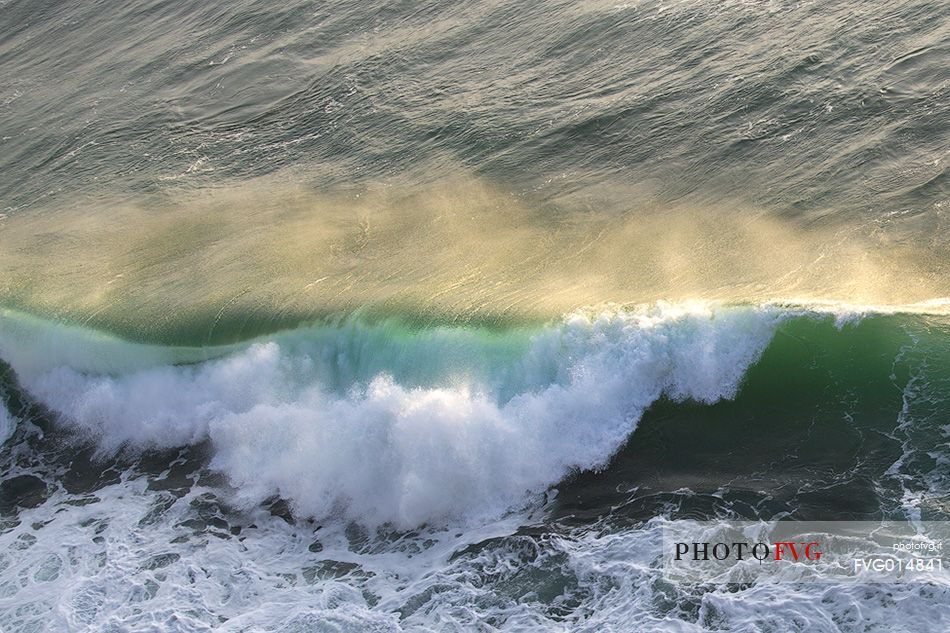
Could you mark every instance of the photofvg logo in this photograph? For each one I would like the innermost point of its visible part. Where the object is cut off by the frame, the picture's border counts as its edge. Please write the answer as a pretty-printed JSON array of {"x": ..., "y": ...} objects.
[
  {"x": 741, "y": 550},
  {"x": 791, "y": 551}
]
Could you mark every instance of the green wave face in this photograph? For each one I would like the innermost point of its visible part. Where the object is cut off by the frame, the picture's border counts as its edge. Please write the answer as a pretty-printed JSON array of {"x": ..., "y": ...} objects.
[
  {"x": 832, "y": 422},
  {"x": 493, "y": 417},
  {"x": 491, "y": 292}
]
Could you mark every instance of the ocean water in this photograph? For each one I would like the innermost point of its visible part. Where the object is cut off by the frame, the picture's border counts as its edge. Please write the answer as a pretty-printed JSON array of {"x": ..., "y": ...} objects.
[{"x": 432, "y": 316}]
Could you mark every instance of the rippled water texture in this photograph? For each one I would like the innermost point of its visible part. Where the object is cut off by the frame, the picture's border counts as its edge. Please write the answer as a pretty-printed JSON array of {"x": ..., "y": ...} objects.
[{"x": 431, "y": 316}]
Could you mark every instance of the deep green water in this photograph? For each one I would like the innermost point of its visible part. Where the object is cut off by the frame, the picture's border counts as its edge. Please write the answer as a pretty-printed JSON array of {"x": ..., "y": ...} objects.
[{"x": 360, "y": 316}]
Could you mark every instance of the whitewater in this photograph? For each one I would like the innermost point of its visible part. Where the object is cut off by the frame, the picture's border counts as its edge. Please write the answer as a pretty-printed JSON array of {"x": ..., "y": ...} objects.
[
  {"x": 412, "y": 461},
  {"x": 429, "y": 316},
  {"x": 383, "y": 425}
]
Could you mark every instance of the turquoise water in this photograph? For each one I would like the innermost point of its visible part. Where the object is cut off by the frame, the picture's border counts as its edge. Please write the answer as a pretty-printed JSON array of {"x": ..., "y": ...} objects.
[{"x": 422, "y": 316}]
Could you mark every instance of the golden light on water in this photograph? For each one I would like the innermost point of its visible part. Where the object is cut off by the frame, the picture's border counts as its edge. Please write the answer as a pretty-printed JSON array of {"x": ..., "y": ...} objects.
[{"x": 224, "y": 262}]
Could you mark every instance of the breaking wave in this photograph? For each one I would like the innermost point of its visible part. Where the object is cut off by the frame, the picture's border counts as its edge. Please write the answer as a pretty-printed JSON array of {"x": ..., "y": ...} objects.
[{"x": 386, "y": 424}]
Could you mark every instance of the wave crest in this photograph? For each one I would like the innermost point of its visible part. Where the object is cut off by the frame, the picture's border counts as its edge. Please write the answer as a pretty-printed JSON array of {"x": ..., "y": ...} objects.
[{"x": 384, "y": 425}]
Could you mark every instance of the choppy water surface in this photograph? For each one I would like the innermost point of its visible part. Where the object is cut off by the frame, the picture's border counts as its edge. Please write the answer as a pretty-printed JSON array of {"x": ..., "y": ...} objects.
[{"x": 430, "y": 316}]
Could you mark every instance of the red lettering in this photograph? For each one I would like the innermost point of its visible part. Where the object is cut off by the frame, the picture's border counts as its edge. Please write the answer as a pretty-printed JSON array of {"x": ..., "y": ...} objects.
[{"x": 780, "y": 545}]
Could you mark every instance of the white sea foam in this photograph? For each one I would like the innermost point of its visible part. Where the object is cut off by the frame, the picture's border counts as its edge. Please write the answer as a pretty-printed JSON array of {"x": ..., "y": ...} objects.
[
  {"x": 385, "y": 424},
  {"x": 388, "y": 425},
  {"x": 131, "y": 562}
]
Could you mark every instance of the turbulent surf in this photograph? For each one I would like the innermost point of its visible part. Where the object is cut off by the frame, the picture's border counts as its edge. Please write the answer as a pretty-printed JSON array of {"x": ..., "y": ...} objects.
[{"x": 422, "y": 316}]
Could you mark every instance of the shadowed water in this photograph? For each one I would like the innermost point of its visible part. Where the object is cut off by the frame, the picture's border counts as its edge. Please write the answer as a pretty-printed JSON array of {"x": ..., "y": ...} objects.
[{"x": 427, "y": 316}]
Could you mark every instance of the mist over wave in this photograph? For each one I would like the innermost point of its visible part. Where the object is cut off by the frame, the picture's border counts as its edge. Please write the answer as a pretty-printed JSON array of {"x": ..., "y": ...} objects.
[
  {"x": 244, "y": 259},
  {"x": 428, "y": 316}
]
